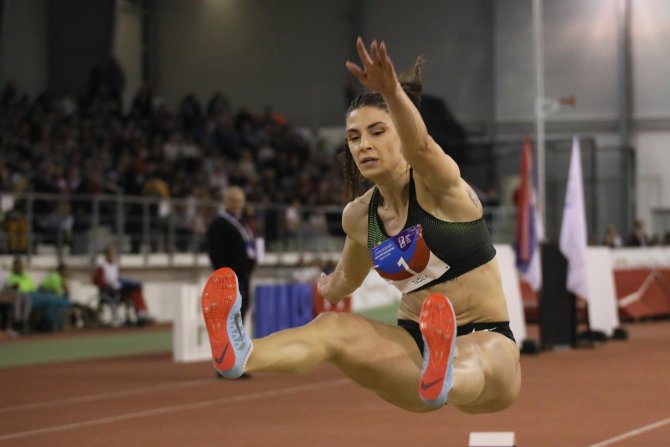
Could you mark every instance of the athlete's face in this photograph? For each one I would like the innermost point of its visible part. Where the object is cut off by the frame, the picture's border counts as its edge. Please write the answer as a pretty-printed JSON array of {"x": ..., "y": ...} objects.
[{"x": 373, "y": 142}]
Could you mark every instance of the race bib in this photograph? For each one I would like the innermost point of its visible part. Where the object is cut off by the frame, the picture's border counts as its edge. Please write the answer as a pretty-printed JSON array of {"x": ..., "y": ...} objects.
[{"x": 405, "y": 261}]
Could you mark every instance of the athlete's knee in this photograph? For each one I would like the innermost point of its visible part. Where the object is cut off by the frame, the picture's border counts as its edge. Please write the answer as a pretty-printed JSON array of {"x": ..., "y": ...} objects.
[
  {"x": 331, "y": 321},
  {"x": 339, "y": 330}
]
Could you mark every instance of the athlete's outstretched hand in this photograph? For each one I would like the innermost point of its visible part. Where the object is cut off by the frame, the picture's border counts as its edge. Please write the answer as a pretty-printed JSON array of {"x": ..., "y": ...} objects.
[{"x": 377, "y": 72}]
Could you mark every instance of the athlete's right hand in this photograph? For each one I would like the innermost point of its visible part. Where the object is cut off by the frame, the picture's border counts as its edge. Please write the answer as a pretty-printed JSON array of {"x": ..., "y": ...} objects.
[
  {"x": 376, "y": 71},
  {"x": 325, "y": 289}
]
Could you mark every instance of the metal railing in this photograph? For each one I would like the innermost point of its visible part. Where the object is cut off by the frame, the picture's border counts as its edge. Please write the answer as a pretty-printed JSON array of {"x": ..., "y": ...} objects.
[{"x": 83, "y": 225}]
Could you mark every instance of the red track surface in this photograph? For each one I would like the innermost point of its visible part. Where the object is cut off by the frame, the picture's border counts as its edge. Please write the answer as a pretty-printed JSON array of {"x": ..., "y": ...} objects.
[{"x": 569, "y": 398}]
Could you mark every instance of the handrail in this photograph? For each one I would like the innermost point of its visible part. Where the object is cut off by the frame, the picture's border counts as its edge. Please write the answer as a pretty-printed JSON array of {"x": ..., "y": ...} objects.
[{"x": 83, "y": 224}]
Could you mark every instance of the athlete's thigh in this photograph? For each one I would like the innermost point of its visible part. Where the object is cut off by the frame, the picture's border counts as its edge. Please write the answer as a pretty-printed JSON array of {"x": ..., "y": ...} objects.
[
  {"x": 498, "y": 361},
  {"x": 383, "y": 358}
]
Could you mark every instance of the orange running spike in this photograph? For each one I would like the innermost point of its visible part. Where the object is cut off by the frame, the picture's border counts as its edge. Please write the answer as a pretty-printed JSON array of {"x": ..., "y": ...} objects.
[
  {"x": 221, "y": 302},
  {"x": 438, "y": 328}
]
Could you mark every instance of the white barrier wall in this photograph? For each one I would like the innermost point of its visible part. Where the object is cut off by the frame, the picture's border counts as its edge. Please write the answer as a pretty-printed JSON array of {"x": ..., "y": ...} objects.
[
  {"x": 640, "y": 257},
  {"x": 189, "y": 335},
  {"x": 510, "y": 284},
  {"x": 162, "y": 299},
  {"x": 602, "y": 301}
]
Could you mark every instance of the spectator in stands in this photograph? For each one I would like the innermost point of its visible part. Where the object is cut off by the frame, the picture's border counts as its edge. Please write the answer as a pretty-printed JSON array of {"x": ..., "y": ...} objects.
[
  {"x": 612, "y": 238},
  {"x": 218, "y": 105},
  {"x": 218, "y": 178},
  {"x": 59, "y": 224},
  {"x": 293, "y": 221},
  {"x": 108, "y": 78},
  {"x": 143, "y": 102},
  {"x": 6, "y": 183},
  {"x": 157, "y": 188},
  {"x": 108, "y": 275},
  {"x": 190, "y": 113},
  {"x": 57, "y": 282},
  {"x": 48, "y": 309},
  {"x": 15, "y": 229},
  {"x": 638, "y": 237}
]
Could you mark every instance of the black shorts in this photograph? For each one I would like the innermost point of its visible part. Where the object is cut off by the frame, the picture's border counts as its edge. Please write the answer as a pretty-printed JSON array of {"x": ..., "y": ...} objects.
[{"x": 501, "y": 327}]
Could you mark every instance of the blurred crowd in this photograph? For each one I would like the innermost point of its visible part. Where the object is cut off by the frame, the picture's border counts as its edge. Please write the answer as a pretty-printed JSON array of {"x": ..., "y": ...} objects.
[
  {"x": 94, "y": 144},
  {"x": 638, "y": 237}
]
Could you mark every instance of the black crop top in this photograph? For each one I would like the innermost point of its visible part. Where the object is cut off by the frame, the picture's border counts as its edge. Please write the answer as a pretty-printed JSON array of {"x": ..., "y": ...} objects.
[{"x": 454, "y": 248}]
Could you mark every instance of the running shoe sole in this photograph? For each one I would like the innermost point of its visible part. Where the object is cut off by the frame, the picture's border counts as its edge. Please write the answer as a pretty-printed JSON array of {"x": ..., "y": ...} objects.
[
  {"x": 438, "y": 328},
  {"x": 221, "y": 302}
]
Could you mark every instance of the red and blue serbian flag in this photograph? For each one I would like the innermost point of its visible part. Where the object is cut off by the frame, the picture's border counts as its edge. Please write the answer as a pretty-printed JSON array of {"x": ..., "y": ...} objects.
[{"x": 529, "y": 229}]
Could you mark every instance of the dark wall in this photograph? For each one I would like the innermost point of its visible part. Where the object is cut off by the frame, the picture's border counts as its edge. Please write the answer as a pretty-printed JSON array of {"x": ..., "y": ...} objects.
[
  {"x": 79, "y": 37},
  {"x": 291, "y": 53}
]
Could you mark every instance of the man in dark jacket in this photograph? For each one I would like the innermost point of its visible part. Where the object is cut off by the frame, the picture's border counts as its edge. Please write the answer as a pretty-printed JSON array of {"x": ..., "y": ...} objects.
[{"x": 230, "y": 242}]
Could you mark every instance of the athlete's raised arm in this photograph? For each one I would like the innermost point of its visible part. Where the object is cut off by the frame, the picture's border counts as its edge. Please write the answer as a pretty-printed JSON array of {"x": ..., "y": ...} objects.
[{"x": 424, "y": 155}]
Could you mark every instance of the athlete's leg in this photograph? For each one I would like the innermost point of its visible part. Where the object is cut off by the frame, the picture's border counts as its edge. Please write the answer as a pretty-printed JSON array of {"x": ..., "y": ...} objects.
[
  {"x": 377, "y": 356},
  {"x": 478, "y": 372},
  {"x": 386, "y": 360},
  {"x": 487, "y": 375}
]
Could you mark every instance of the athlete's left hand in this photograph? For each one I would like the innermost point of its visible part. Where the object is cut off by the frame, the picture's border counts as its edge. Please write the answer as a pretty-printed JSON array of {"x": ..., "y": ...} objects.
[{"x": 377, "y": 72}]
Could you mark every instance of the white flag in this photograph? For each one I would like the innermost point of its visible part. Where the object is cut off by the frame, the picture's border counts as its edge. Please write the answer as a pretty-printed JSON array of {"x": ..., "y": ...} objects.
[{"x": 573, "y": 239}]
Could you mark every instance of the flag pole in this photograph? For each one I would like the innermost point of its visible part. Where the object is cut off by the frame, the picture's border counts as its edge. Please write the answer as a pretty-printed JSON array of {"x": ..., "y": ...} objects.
[{"x": 538, "y": 52}]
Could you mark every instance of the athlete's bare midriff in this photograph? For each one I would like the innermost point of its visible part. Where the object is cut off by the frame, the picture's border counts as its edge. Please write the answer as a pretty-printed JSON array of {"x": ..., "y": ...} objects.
[{"x": 476, "y": 296}]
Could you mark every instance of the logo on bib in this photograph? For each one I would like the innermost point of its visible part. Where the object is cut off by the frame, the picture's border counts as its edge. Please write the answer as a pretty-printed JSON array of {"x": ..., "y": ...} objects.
[
  {"x": 405, "y": 260},
  {"x": 401, "y": 256}
]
